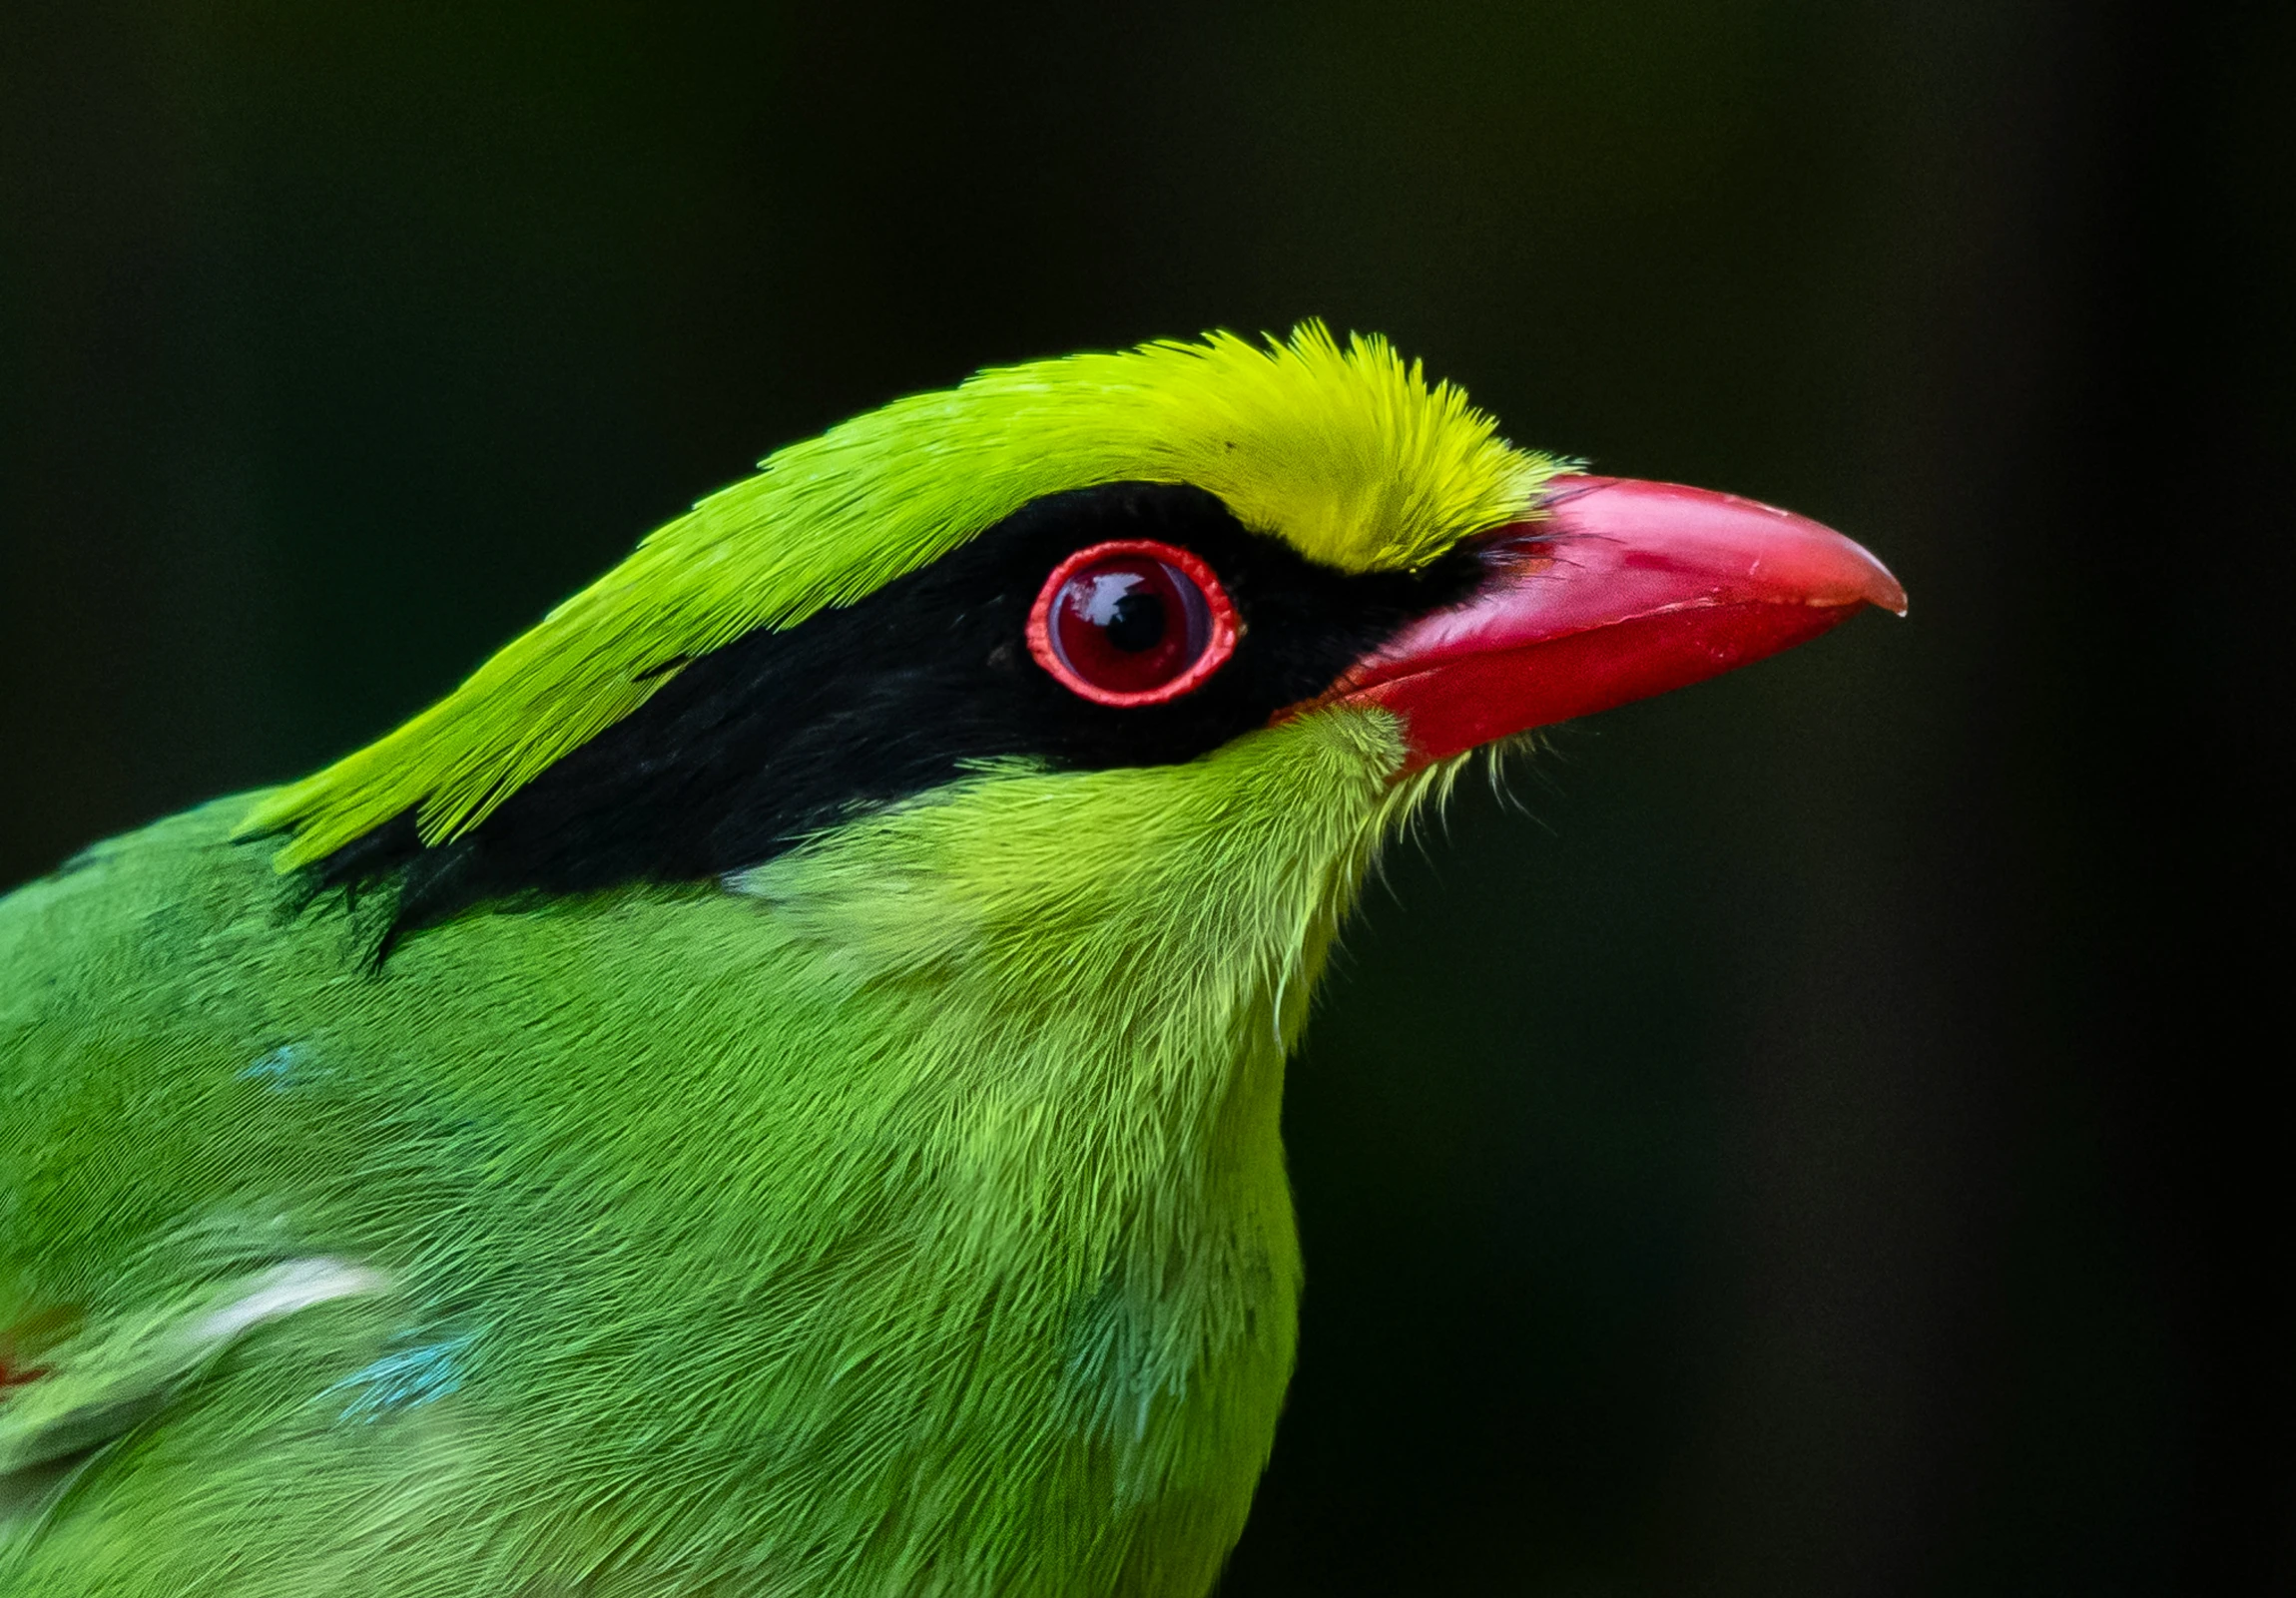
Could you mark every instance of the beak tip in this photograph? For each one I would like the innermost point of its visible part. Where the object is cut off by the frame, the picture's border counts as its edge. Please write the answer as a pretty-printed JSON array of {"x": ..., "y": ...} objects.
[
  {"x": 1884, "y": 592},
  {"x": 1872, "y": 583},
  {"x": 1888, "y": 595}
]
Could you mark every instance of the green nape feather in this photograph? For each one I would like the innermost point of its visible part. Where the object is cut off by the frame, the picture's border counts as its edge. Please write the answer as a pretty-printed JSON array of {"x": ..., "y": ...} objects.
[
  {"x": 1347, "y": 454},
  {"x": 909, "y": 1219}
]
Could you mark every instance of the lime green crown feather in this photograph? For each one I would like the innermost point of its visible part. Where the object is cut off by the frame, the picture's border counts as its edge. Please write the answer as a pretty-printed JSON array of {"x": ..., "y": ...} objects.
[{"x": 1347, "y": 454}]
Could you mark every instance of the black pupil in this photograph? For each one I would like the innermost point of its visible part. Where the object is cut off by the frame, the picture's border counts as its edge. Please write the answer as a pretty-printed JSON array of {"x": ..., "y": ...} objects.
[{"x": 1138, "y": 623}]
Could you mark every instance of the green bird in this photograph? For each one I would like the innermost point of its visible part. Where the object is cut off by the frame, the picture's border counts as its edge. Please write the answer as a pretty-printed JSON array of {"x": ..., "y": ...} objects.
[{"x": 771, "y": 1085}]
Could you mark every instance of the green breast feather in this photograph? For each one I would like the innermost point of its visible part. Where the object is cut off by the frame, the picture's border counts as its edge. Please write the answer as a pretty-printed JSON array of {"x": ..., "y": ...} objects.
[{"x": 934, "y": 1161}]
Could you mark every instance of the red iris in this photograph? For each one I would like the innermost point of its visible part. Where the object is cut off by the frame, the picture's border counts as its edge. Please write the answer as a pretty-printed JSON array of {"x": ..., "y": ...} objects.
[{"x": 1132, "y": 622}]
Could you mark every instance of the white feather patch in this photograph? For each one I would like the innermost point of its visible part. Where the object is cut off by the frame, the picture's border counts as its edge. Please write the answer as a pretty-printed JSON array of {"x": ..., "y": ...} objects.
[{"x": 284, "y": 1290}]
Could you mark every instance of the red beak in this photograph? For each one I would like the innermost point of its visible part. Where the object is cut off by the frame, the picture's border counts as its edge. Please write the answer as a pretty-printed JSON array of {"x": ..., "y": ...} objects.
[{"x": 1620, "y": 590}]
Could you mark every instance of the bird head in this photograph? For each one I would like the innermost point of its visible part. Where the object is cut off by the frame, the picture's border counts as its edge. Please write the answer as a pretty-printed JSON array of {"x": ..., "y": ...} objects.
[{"x": 1092, "y": 666}]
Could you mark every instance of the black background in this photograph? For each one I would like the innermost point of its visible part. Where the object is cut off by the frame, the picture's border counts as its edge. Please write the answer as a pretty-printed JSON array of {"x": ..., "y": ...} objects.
[{"x": 1819, "y": 1148}]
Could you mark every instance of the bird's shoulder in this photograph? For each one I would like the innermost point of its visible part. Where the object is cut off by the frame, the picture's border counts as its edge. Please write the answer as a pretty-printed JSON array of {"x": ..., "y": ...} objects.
[{"x": 132, "y": 981}]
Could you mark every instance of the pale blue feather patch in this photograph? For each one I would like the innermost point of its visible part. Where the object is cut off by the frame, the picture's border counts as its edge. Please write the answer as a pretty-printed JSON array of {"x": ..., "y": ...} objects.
[
  {"x": 288, "y": 1066},
  {"x": 406, "y": 1379}
]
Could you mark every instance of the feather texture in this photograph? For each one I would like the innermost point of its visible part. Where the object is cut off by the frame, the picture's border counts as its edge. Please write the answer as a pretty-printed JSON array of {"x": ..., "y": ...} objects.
[{"x": 905, "y": 1216}]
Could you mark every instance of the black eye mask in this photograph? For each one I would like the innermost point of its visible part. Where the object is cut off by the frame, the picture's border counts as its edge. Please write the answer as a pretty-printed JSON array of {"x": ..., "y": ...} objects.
[{"x": 781, "y": 733}]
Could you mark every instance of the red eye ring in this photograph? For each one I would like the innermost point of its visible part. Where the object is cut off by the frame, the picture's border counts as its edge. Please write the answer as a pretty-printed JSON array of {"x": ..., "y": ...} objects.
[{"x": 1219, "y": 643}]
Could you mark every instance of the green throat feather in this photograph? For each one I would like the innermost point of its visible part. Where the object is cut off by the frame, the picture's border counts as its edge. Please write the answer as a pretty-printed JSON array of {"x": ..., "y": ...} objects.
[{"x": 919, "y": 1203}]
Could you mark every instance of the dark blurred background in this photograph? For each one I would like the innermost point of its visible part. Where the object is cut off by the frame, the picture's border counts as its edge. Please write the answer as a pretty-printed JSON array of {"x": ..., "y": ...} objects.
[{"x": 1809, "y": 1141}]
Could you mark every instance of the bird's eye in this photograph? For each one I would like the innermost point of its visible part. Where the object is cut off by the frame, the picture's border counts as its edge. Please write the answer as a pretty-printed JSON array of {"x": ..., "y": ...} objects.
[{"x": 1132, "y": 622}]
